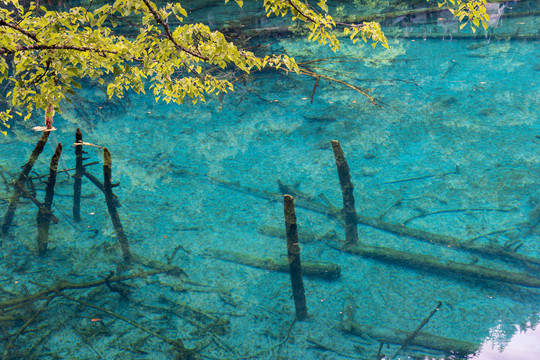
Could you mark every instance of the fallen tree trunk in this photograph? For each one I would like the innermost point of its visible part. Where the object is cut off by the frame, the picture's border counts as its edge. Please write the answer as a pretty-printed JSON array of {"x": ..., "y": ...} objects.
[
  {"x": 433, "y": 264},
  {"x": 327, "y": 271},
  {"x": 397, "y": 229},
  {"x": 64, "y": 285},
  {"x": 422, "y": 339},
  {"x": 447, "y": 241}
]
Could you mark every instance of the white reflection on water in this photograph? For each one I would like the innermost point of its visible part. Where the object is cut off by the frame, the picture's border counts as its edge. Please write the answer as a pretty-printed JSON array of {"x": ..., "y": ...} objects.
[{"x": 524, "y": 345}]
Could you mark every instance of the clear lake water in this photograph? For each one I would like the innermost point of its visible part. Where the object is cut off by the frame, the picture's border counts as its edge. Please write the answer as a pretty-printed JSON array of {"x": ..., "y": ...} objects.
[{"x": 449, "y": 149}]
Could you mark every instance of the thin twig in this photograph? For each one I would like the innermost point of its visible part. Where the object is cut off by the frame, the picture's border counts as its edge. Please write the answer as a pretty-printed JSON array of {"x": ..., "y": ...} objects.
[
  {"x": 22, "y": 328},
  {"x": 411, "y": 336},
  {"x": 362, "y": 91},
  {"x": 175, "y": 343},
  {"x": 66, "y": 170},
  {"x": 58, "y": 288},
  {"x": 422, "y": 215}
]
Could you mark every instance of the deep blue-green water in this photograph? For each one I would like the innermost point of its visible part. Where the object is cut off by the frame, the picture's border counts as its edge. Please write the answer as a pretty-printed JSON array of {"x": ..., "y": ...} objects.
[{"x": 452, "y": 148}]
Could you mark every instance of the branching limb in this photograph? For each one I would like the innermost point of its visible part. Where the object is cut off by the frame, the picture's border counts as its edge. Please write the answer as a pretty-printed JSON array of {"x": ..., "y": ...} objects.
[
  {"x": 22, "y": 328},
  {"x": 165, "y": 27},
  {"x": 58, "y": 288},
  {"x": 19, "y": 29},
  {"x": 362, "y": 91},
  {"x": 175, "y": 343},
  {"x": 57, "y": 47}
]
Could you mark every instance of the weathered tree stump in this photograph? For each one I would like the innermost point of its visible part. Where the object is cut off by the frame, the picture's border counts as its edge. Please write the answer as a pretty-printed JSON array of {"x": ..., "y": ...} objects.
[
  {"x": 44, "y": 212},
  {"x": 293, "y": 255},
  {"x": 111, "y": 206},
  {"x": 349, "y": 211},
  {"x": 79, "y": 172}
]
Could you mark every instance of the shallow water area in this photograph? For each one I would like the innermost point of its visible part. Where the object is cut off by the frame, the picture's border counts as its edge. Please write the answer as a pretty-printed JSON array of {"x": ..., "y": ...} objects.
[{"x": 449, "y": 150}]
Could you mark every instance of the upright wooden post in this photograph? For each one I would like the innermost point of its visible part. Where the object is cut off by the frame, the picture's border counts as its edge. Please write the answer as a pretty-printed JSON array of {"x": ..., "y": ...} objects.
[
  {"x": 79, "y": 173},
  {"x": 349, "y": 211},
  {"x": 44, "y": 212},
  {"x": 109, "y": 198},
  {"x": 293, "y": 254}
]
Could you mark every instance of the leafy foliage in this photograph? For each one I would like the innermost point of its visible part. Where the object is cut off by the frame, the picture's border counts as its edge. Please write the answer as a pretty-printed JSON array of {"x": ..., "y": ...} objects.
[
  {"x": 44, "y": 55},
  {"x": 472, "y": 11}
]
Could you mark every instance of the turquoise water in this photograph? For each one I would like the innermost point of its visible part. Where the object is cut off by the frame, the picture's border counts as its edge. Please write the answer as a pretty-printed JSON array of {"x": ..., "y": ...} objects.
[{"x": 451, "y": 149}]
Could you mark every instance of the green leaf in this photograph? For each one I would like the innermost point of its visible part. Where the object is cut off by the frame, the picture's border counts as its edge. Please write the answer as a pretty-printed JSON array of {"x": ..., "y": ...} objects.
[{"x": 73, "y": 71}]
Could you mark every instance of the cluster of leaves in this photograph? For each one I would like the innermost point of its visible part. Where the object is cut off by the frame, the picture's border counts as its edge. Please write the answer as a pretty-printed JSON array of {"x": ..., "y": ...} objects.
[
  {"x": 45, "y": 55},
  {"x": 471, "y": 12},
  {"x": 321, "y": 26}
]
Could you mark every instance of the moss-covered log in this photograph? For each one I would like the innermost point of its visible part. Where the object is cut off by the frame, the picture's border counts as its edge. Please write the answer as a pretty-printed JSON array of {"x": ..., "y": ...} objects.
[
  {"x": 327, "y": 271},
  {"x": 397, "y": 229},
  {"x": 422, "y": 339},
  {"x": 433, "y": 264},
  {"x": 447, "y": 241}
]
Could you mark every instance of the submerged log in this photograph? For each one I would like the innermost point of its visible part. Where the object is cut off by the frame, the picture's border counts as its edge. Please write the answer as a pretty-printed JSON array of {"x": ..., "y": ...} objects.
[
  {"x": 422, "y": 339},
  {"x": 467, "y": 36},
  {"x": 397, "y": 229},
  {"x": 55, "y": 290},
  {"x": 410, "y": 337},
  {"x": 322, "y": 270},
  {"x": 433, "y": 264},
  {"x": 447, "y": 241}
]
